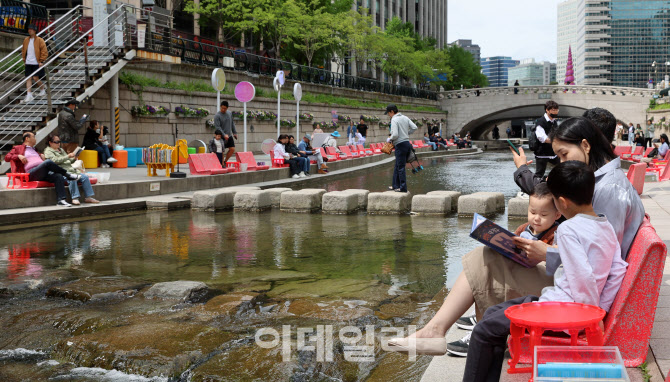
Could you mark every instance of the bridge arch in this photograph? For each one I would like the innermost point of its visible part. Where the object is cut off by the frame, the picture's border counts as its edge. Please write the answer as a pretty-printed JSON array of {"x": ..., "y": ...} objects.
[{"x": 477, "y": 110}]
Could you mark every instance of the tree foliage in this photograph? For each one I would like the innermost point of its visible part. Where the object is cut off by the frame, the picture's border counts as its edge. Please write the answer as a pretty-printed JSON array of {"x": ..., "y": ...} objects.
[{"x": 323, "y": 31}]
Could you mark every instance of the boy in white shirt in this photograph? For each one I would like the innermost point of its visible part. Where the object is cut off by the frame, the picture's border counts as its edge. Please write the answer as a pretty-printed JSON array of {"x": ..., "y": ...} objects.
[
  {"x": 591, "y": 271},
  {"x": 217, "y": 145}
]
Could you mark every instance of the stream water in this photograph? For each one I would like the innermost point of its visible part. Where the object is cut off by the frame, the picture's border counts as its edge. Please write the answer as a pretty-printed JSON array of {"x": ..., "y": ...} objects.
[{"x": 264, "y": 270}]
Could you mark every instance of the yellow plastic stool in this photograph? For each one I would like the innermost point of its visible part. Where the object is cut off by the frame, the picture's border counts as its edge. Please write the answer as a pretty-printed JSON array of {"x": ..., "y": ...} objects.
[
  {"x": 201, "y": 150},
  {"x": 90, "y": 158}
]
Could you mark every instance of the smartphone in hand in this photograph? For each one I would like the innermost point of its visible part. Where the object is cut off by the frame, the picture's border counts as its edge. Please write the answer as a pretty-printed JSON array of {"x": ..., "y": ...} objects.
[{"x": 513, "y": 147}]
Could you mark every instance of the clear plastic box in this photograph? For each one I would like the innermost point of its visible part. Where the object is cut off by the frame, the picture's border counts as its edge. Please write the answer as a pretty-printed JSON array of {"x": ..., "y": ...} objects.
[{"x": 578, "y": 364}]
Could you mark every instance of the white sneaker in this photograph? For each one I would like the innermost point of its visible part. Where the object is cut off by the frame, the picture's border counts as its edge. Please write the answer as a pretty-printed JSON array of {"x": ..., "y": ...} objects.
[
  {"x": 104, "y": 165},
  {"x": 29, "y": 97},
  {"x": 111, "y": 160},
  {"x": 302, "y": 174},
  {"x": 42, "y": 93},
  {"x": 295, "y": 176},
  {"x": 63, "y": 203}
]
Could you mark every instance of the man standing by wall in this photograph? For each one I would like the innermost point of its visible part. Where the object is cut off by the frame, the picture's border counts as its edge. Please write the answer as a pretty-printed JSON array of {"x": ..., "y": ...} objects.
[
  {"x": 544, "y": 153},
  {"x": 401, "y": 128},
  {"x": 68, "y": 126},
  {"x": 363, "y": 128},
  {"x": 649, "y": 134},
  {"x": 34, "y": 54},
  {"x": 223, "y": 121},
  {"x": 631, "y": 134}
]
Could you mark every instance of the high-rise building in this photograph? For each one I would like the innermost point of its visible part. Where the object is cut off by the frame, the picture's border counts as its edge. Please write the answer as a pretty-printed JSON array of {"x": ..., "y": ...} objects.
[
  {"x": 469, "y": 47},
  {"x": 567, "y": 34},
  {"x": 531, "y": 73},
  {"x": 618, "y": 41},
  {"x": 429, "y": 17},
  {"x": 495, "y": 69}
]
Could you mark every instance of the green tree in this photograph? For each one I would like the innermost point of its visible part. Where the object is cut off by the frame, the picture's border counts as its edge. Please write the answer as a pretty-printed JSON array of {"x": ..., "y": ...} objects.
[
  {"x": 232, "y": 16},
  {"x": 279, "y": 21},
  {"x": 311, "y": 32},
  {"x": 465, "y": 71}
]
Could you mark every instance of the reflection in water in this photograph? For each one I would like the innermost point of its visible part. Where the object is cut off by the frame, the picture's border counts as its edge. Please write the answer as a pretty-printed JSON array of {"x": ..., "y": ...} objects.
[{"x": 407, "y": 252}]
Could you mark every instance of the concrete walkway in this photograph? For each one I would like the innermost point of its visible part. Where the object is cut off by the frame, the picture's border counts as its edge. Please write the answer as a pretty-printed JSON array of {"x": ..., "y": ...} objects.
[{"x": 656, "y": 200}]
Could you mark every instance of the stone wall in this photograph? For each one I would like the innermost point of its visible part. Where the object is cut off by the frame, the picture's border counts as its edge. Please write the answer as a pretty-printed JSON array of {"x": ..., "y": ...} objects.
[
  {"x": 145, "y": 131},
  {"x": 658, "y": 115}
]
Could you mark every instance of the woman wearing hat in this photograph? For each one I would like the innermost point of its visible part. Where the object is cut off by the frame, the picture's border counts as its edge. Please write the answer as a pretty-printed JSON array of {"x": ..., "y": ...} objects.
[{"x": 331, "y": 141}]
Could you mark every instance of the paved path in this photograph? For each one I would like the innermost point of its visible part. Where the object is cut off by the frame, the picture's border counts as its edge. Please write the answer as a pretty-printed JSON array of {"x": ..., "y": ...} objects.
[{"x": 656, "y": 200}]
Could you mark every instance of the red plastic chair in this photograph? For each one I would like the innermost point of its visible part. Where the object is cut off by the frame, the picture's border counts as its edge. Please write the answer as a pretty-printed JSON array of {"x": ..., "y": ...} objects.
[
  {"x": 332, "y": 152},
  {"x": 205, "y": 164},
  {"x": 347, "y": 153},
  {"x": 630, "y": 320},
  {"x": 362, "y": 149},
  {"x": 620, "y": 150},
  {"x": 248, "y": 158},
  {"x": 636, "y": 175},
  {"x": 637, "y": 150},
  {"x": 277, "y": 162},
  {"x": 376, "y": 148}
]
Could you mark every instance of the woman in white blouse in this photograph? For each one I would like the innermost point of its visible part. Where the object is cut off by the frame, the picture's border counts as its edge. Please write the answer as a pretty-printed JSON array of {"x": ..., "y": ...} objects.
[{"x": 280, "y": 152}]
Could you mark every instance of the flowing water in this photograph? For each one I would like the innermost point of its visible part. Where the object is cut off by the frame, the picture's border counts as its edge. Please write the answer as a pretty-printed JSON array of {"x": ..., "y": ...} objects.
[{"x": 264, "y": 270}]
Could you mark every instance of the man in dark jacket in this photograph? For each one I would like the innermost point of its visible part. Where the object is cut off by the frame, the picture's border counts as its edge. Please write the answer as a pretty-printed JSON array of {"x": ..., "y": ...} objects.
[
  {"x": 544, "y": 126},
  {"x": 223, "y": 121},
  {"x": 68, "y": 126}
]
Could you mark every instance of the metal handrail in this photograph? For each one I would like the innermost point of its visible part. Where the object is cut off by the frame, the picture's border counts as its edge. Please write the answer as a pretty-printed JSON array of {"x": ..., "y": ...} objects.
[
  {"x": 542, "y": 89},
  {"x": 69, "y": 82},
  {"x": 8, "y": 56}
]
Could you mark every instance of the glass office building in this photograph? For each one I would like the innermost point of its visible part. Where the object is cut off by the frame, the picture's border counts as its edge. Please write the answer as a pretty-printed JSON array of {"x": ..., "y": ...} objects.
[
  {"x": 619, "y": 40},
  {"x": 531, "y": 73},
  {"x": 495, "y": 69}
]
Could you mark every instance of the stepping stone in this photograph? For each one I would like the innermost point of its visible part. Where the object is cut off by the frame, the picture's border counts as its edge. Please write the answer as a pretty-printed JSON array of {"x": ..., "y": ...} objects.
[
  {"x": 453, "y": 195},
  {"x": 252, "y": 200},
  {"x": 185, "y": 291},
  {"x": 498, "y": 197},
  {"x": 431, "y": 204},
  {"x": 339, "y": 202},
  {"x": 275, "y": 195},
  {"x": 219, "y": 199},
  {"x": 389, "y": 203},
  {"x": 479, "y": 203},
  {"x": 518, "y": 207},
  {"x": 362, "y": 197},
  {"x": 306, "y": 200}
]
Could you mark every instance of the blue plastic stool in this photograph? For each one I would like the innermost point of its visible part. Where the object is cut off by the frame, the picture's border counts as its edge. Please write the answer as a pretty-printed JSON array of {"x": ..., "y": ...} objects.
[
  {"x": 139, "y": 154},
  {"x": 132, "y": 158}
]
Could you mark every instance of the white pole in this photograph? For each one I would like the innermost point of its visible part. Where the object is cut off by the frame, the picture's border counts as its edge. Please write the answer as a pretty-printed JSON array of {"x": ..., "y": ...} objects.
[
  {"x": 245, "y": 126},
  {"x": 218, "y": 102},
  {"x": 278, "y": 112},
  {"x": 297, "y": 120}
]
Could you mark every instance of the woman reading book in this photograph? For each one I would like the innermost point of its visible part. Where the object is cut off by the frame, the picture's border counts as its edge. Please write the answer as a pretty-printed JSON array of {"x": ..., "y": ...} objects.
[{"x": 489, "y": 278}]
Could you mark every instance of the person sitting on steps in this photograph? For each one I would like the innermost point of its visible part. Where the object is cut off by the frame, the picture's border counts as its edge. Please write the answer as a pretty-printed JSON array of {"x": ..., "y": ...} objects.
[
  {"x": 26, "y": 159},
  {"x": 279, "y": 151},
  {"x": 313, "y": 154},
  {"x": 92, "y": 142},
  {"x": 300, "y": 156}
]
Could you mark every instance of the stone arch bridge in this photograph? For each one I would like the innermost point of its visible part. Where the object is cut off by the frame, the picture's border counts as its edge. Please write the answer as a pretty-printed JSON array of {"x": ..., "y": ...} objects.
[{"x": 477, "y": 114}]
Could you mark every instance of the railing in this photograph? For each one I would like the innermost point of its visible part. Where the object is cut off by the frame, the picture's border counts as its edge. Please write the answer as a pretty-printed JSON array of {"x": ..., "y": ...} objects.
[
  {"x": 67, "y": 70},
  {"x": 166, "y": 41},
  {"x": 548, "y": 89},
  {"x": 16, "y": 16}
]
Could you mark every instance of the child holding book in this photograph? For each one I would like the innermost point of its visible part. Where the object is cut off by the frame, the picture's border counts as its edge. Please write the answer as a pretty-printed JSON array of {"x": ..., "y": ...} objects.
[
  {"x": 541, "y": 225},
  {"x": 591, "y": 269}
]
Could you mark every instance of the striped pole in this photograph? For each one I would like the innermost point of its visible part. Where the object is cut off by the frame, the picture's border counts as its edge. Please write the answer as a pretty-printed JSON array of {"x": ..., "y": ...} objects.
[{"x": 117, "y": 123}]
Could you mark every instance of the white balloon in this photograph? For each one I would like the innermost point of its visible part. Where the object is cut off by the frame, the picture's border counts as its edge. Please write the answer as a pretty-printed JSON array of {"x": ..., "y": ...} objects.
[{"x": 297, "y": 92}]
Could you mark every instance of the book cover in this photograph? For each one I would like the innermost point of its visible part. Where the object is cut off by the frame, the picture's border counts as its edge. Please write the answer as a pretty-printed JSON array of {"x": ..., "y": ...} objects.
[{"x": 498, "y": 239}]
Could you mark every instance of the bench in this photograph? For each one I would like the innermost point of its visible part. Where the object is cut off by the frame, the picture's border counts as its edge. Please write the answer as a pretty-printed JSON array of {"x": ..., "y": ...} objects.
[
  {"x": 247, "y": 157},
  {"x": 332, "y": 152},
  {"x": 205, "y": 164},
  {"x": 630, "y": 319},
  {"x": 636, "y": 175},
  {"x": 620, "y": 150}
]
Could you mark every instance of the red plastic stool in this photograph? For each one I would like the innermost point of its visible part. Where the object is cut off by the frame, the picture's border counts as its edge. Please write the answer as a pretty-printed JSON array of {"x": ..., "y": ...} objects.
[
  {"x": 536, "y": 317},
  {"x": 17, "y": 180},
  {"x": 234, "y": 165}
]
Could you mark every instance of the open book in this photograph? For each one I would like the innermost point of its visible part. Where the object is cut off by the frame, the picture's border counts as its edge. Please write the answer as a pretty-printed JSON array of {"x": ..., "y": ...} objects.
[{"x": 498, "y": 239}]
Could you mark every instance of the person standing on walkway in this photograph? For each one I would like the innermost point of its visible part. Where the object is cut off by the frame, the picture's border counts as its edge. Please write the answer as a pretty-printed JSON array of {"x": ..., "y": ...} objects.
[
  {"x": 34, "y": 54},
  {"x": 401, "y": 128},
  {"x": 223, "y": 121},
  {"x": 362, "y": 128},
  {"x": 649, "y": 134},
  {"x": 351, "y": 133},
  {"x": 631, "y": 134},
  {"x": 68, "y": 126},
  {"x": 496, "y": 132},
  {"x": 544, "y": 153}
]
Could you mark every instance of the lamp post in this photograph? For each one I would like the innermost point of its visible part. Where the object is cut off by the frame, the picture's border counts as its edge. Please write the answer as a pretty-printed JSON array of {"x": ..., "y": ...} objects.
[{"x": 653, "y": 65}]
